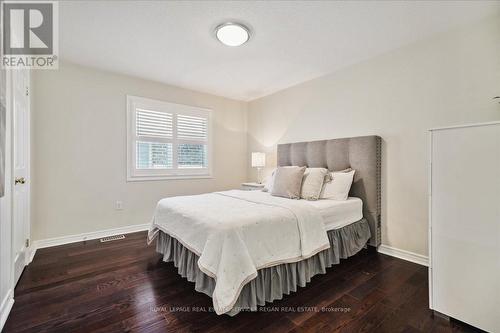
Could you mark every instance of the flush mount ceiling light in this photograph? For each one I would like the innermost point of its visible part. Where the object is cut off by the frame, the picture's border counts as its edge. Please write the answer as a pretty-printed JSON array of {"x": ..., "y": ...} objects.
[{"x": 232, "y": 34}]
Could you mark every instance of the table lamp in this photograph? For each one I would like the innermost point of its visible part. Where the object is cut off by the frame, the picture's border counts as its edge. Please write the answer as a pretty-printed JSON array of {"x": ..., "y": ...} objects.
[{"x": 258, "y": 161}]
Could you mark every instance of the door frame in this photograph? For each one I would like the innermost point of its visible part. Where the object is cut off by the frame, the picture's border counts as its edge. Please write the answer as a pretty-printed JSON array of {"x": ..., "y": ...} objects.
[{"x": 6, "y": 232}]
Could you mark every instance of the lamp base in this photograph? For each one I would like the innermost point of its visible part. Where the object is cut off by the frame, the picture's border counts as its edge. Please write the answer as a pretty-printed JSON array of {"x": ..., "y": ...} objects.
[{"x": 259, "y": 180}]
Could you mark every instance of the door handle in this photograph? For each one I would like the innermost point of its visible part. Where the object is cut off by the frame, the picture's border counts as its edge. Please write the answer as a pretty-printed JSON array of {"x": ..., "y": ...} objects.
[{"x": 19, "y": 180}]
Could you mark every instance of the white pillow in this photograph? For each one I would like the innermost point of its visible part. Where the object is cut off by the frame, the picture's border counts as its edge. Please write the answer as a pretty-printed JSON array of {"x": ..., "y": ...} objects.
[
  {"x": 340, "y": 185},
  {"x": 268, "y": 184},
  {"x": 312, "y": 183}
]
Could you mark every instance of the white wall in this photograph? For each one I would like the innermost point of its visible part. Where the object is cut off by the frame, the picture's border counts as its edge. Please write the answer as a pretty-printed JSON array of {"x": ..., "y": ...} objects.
[
  {"x": 79, "y": 150},
  {"x": 449, "y": 79}
]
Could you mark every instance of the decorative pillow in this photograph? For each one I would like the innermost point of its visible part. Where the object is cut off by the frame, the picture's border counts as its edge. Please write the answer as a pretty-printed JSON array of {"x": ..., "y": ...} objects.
[
  {"x": 287, "y": 182},
  {"x": 312, "y": 183},
  {"x": 268, "y": 184},
  {"x": 340, "y": 185}
]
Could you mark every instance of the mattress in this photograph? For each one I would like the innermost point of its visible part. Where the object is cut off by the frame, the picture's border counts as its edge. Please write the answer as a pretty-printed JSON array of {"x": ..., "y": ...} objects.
[{"x": 337, "y": 214}]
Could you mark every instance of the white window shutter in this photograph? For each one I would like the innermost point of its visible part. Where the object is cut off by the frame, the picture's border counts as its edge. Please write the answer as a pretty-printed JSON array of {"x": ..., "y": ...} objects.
[
  {"x": 167, "y": 140},
  {"x": 153, "y": 123},
  {"x": 191, "y": 128}
]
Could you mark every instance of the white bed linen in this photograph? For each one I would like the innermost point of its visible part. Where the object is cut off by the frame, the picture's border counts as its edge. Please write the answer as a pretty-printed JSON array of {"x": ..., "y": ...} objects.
[
  {"x": 337, "y": 214},
  {"x": 235, "y": 233}
]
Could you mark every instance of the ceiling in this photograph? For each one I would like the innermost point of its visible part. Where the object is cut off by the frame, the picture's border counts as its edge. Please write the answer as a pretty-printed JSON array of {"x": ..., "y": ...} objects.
[{"x": 292, "y": 42}]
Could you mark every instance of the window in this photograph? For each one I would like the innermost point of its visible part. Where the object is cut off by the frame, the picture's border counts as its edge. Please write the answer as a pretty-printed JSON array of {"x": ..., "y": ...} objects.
[{"x": 167, "y": 140}]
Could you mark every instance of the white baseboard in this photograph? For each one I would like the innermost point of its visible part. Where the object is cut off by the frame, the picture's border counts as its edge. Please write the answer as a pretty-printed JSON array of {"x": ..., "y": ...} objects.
[
  {"x": 5, "y": 308},
  {"x": 49, "y": 242},
  {"x": 403, "y": 254},
  {"x": 30, "y": 254}
]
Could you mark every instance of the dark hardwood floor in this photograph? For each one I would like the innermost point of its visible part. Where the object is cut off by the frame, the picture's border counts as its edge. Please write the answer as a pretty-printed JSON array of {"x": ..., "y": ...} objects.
[{"x": 123, "y": 286}]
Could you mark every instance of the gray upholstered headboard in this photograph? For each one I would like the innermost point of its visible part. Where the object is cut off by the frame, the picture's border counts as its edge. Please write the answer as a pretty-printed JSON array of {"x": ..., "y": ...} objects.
[{"x": 361, "y": 153}]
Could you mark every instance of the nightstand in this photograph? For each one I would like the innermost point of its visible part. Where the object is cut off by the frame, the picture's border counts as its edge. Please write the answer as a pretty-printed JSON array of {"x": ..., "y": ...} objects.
[{"x": 252, "y": 186}]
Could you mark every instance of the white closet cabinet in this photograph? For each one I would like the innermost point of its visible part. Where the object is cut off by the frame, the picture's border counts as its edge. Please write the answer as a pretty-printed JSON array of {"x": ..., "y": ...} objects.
[{"x": 464, "y": 228}]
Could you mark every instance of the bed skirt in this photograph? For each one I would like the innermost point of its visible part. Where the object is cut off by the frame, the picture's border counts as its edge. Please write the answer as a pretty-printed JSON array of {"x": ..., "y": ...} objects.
[{"x": 273, "y": 282}]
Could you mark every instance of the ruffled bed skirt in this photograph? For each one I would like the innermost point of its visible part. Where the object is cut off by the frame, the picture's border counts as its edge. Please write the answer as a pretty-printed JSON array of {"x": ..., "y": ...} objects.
[{"x": 273, "y": 282}]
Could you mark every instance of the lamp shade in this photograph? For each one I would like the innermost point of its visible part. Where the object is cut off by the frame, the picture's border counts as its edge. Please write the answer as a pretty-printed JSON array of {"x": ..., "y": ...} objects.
[{"x": 258, "y": 160}]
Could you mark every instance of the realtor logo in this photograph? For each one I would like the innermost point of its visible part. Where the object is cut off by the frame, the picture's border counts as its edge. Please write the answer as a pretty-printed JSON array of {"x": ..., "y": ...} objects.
[{"x": 29, "y": 34}]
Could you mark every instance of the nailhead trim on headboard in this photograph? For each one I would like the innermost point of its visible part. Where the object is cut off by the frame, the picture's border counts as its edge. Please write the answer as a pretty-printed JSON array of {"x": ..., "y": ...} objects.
[{"x": 379, "y": 190}]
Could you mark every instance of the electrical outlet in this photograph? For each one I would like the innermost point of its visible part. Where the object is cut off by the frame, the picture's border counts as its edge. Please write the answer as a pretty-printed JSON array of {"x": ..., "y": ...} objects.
[{"x": 119, "y": 205}]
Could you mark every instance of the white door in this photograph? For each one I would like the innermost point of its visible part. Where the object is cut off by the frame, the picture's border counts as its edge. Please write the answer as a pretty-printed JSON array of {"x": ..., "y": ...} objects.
[{"x": 20, "y": 170}]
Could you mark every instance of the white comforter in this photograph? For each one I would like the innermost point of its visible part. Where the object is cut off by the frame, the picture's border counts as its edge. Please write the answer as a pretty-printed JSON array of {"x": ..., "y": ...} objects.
[{"x": 235, "y": 233}]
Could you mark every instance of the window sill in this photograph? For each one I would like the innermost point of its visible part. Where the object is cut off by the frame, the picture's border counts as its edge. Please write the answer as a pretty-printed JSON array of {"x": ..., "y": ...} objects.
[{"x": 152, "y": 178}]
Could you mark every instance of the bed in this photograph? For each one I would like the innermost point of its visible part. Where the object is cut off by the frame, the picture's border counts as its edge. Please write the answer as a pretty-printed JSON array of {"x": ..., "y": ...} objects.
[{"x": 246, "y": 248}]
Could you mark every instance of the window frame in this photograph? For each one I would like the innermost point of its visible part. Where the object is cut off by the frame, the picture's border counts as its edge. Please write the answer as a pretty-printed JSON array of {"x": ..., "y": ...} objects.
[{"x": 134, "y": 174}]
